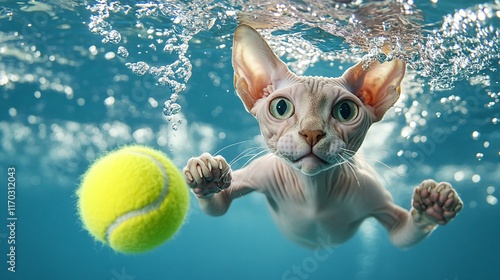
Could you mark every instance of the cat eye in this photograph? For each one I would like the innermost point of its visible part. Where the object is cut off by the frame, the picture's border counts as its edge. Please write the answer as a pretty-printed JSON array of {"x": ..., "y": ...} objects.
[
  {"x": 281, "y": 108},
  {"x": 345, "y": 111}
]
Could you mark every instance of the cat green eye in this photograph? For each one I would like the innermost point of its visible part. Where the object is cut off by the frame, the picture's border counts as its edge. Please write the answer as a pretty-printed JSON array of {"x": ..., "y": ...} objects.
[
  {"x": 345, "y": 111},
  {"x": 281, "y": 108}
]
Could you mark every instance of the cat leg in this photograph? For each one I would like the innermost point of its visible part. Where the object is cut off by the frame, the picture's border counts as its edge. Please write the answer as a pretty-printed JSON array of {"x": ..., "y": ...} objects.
[
  {"x": 211, "y": 180},
  {"x": 433, "y": 204},
  {"x": 208, "y": 176}
]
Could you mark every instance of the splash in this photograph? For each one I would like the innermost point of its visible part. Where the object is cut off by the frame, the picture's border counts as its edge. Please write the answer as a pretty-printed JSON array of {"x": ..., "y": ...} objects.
[
  {"x": 160, "y": 26},
  {"x": 465, "y": 43},
  {"x": 454, "y": 49},
  {"x": 303, "y": 33}
]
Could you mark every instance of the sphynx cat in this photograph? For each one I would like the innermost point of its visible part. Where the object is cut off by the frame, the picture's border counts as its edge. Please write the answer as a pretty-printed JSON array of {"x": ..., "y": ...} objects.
[{"x": 316, "y": 186}]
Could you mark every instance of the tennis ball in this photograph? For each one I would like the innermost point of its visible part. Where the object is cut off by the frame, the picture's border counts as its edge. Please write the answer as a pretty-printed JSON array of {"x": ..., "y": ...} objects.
[{"x": 133, "y": 199}]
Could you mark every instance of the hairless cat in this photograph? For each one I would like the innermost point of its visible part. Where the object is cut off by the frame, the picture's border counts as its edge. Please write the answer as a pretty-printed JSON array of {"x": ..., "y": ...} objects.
[{"x": 315, "y": 184}]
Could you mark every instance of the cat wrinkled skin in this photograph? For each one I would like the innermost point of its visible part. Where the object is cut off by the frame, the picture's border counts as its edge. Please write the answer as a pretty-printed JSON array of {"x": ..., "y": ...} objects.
[{"x": 316, "y": 186}]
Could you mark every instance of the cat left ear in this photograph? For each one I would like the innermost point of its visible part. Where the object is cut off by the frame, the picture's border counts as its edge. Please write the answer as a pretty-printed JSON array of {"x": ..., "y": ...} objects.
[
  {"x": 379, "y": 86},
  {"x": 256, "y": 67}
]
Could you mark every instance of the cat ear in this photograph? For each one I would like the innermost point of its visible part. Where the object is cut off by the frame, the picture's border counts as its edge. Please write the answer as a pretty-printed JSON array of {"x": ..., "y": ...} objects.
[
  {"x": 255, "y": 67},
  {"x": 379, "y": 86}
]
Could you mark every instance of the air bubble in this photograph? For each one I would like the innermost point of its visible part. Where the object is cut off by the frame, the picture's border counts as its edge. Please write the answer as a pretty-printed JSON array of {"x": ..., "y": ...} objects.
[
  {"x": 476, "y": 135},
  {"x": 113, "y": 37},
  {"x": 171, "y": 108},
  {"x": 479, "y": 156},
  {"x": 231, "y": 13},
  {"x": 490, "y": 190},
  {"x": 381, "y": 57},
  {"x": 491, "y": 200},
  {"x": 459, "y": 176},
  {"x": 12, "y": 112},
  {"x": 173, "y": 97},
  {"x": 109, "y": 55},
  {"x": 140, "y": 68},
  {"x": 122, "y": 51},
  {"x": 476, "y": 178}
]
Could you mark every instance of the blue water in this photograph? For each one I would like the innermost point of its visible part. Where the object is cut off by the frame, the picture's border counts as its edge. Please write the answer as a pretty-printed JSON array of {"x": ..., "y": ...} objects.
[{"x": 67, "y": 95}]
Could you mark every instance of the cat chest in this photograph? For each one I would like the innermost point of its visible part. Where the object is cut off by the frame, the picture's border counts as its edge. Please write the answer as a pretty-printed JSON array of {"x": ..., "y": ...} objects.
[
  {"x": 304, "y": 222},
  {"x": 301, "y": 212}
]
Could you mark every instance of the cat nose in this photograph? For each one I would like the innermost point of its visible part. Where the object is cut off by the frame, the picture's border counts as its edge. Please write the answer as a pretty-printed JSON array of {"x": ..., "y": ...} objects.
[{"x": 312, "y": 136}]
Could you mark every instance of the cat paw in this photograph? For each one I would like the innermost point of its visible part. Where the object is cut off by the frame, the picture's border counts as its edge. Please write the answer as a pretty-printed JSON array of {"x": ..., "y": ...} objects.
[
  {"x": 207, "y": 175},
  {"x": 439, "y": 203}
]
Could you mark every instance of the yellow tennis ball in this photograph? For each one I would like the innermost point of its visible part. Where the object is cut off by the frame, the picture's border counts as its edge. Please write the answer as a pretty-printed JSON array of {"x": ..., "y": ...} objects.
[{"x": 133, "y": 199}]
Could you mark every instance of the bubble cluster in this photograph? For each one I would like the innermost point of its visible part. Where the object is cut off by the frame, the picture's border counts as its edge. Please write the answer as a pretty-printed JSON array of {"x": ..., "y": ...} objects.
[
  {"x": 479, "y": 156},
  {"x": 454, "y": 49},
  {"x": 463, "y": 45},
  {"x": 180, "y": 22},
  {"x": 171, "y": 108},
  {"x": 139, "y": 68},
  {"x": 122, "y": 51}
]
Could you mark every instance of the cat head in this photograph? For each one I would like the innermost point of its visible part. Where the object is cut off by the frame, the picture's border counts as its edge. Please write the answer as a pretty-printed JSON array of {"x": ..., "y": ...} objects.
[{"x": 313, "y": 123}]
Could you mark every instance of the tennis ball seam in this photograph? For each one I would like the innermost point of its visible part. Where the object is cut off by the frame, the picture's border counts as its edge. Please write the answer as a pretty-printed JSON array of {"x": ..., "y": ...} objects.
[{"x": 146, "y": 209}]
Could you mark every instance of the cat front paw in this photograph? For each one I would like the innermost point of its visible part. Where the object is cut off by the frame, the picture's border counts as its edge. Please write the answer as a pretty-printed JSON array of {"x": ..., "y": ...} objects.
[
  {"x": 436, "y": 203},
  {"x": 207, "y": 175}
]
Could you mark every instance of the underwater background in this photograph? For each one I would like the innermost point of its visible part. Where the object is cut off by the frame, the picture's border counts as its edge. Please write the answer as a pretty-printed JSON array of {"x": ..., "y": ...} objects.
[{"x": 79, "y": 78}]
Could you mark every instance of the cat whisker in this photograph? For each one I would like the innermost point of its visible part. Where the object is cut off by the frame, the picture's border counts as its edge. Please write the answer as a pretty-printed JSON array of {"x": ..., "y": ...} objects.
[
  {"x": 363, "y": 158},
  {"x": 348, "y": 156},
  {"x": 351, "y": 166},
  {"x": 349, "y": 152},
  {"x": 337, "y": 163},
  {"x": 250, "y": 173},
  {"x": 245, "y": 153},
  {"x": 255, "y": 167},
  {"x": 232, "y": 145},
  {"x": 254, "y": 156}
]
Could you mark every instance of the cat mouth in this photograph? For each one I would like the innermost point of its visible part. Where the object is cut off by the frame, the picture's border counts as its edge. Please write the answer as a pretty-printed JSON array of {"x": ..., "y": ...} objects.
[
  {"x": 311, "y": 157},
  {"x": 311, "y": 164}
]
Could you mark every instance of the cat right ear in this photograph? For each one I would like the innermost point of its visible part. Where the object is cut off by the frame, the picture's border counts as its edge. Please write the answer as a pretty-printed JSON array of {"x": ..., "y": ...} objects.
[
  {"x": 257, "y": 70},
  {"x": 379, "y": 86}
]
